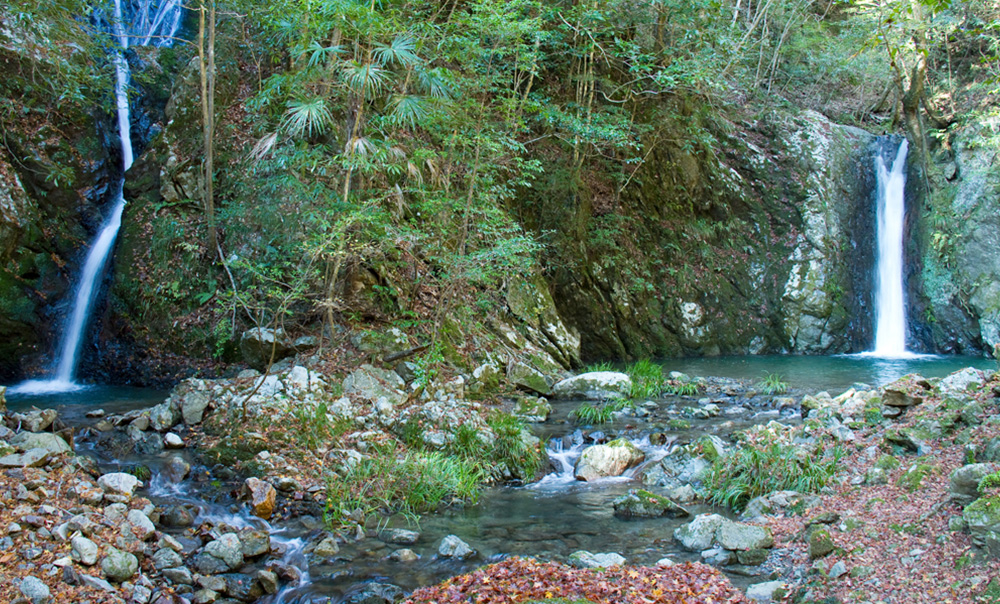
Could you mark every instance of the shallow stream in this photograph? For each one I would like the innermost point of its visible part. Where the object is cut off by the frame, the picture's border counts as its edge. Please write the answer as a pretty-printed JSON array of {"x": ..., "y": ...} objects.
[{"x": 549, "y": 519}]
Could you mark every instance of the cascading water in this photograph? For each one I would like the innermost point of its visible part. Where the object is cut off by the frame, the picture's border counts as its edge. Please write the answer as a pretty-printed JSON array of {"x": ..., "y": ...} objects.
[
  {"x": 142, "y": 22},
  {"x": 890, "y": 302}
]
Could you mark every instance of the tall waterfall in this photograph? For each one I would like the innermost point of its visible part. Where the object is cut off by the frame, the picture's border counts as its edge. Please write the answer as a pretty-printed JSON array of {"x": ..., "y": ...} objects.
[
  {"x": 890, "y": 300},
  {"x": 142, "y": 22}
]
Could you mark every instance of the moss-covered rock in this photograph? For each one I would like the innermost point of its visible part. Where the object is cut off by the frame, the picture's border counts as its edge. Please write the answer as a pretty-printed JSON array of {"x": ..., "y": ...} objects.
[{"x": 640, "y": 503}]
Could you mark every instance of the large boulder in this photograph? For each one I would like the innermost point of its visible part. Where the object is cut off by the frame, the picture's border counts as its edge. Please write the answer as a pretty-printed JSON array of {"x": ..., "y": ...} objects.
[
  {"x": 960, "y": 381},
  {"x": 585, "y": 559},
  {"x": 528, "y": 378},
  {"x": 965, "y": 480},
  {"x": 743, "y": 537},
  {"x": 983, "y": 519},
  {"x": 372, "y": 383},
  {"x": 52, "y": 443},
  {"x": 639, "y": 503},
  {"x": 699, "y": 534},
  {"x": 262, "y": 345},
  {"x": 612, "y": 459},
  {"x": 595, "y": 385}
]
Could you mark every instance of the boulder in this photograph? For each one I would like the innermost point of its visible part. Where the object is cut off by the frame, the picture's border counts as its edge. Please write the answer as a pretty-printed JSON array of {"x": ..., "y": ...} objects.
[
  {"x": 699, "y": 534},
  {"x": 960, "y": 381},
  {"x": 453, "y": 547},
  {"x": 254, "y": 542},
  {"x": 35, "y": 420},
  {"x": 262, "y": 497},
  {"x": 172, "y": 441},
  {"x": 327, "y": 548},
  {"x": 585, "y": 559},
  {"x": 84, "y": 550},
  {"x": 140, "y": 525},
  {"x": 176, "y": 469},
  {"x": 639, "y": 503},
  {"x": 743, "y": 537},
  {"x": 373, "y": 593},
  {"x": 683, "y": 466},
  {"x": 119, "y": 566},
  {"x": 777, "y": 503},
  {"x": 32, "y": 458},
  {"x": 227, "y": 548},
  {"x": 261, "y": 346},
  {"x": 242, "y": 587},
  {"x": 533, "y": 409},
  {"x": 166, "y": 558},
  {"x": 965, "y": 480},
  {"x": 164, "y": 416},
  {"x": 372, "y": 383},
  {"x": 118, "y": 483},
  {"x": 770, "y": 591},
  {"x": 983, "y": 520},
  {"x": 612, "y": 459},
  {"x": 595, "y": 385},
  {"x": 35, "y": 591},
  {"x": 398, "y": 536},
  {"x": 527, "y": 378},
  {"x": 193, "y": 406}
]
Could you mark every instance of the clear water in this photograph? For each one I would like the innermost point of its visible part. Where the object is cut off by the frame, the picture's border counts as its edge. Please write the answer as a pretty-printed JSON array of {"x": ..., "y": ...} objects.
[{"x": 833, "y": 374}]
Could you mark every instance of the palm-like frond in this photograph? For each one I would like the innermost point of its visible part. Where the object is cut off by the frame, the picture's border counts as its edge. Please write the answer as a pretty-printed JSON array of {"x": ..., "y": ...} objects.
[
  {"x": 263, "y": 147},
  {"x": 407, "y": 110},
  {"x": 366, "y": 77},
  {"x": 434, "y": 83},
  {"x": 319, "y": 54},
  {"x": 308, "y": 116},
  {"x": 398, "y": 52}
]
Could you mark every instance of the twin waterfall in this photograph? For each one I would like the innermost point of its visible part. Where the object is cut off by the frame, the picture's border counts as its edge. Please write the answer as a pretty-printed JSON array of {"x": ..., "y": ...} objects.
[
  {"x": 135, "y": 22},
  {"x": 890, "y": 300}
]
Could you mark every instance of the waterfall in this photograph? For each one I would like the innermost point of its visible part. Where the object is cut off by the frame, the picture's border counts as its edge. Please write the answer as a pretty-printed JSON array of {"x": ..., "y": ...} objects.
[
  {"x": 142, "y": 22},
  {"x": 890, "y": 300}
]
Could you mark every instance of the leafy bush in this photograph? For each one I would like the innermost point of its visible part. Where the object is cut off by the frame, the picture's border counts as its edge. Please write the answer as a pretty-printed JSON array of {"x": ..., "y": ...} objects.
[
  {"x": 773, "y": 383},
  {"x": 768, "y": 465}
]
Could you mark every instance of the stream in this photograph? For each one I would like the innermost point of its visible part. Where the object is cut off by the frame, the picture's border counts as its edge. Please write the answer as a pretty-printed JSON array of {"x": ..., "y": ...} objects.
[{"x": 549, "y": 519}]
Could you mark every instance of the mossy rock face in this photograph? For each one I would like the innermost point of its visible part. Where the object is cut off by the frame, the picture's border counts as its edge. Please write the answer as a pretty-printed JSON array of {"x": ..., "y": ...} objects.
[
  {"x": 983, "y": 520},
  {"x": 640, "y": 503}
]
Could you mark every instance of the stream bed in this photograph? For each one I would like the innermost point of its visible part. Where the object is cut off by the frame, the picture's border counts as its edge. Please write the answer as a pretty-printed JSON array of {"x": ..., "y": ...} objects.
[{"x": 549, "y": 519}]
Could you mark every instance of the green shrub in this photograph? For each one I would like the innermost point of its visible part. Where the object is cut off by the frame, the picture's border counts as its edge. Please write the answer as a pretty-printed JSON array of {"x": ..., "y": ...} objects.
[
  {"x": 759, "y": 468},
  {"x": 772, "y": 383},
  {"x": 681, "y": 388}
]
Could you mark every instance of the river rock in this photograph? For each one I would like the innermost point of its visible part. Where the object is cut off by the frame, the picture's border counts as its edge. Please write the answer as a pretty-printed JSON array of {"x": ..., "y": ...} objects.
[
  {"x": 778, "y": 503},
  {"x": 403, "y": 555},
  {"x": 84, "y": 550},
  {"x": 119, "y": 566},
  {"x": 982, "y": 517},
  {"x": 639, "y": 503},
  {"x": 683, "y": 466},
  {"x": 166, "y": 558},
  {"x": 453, "y": 547},
  {"x": 32, "y": 458},
  {"x": 176, "y": 469},
  {"x": 372, "y": 383},
  {"x": 373, "y": 593},
  {"x": 35, "y": 420},
  {"x": 743, "y": 537},
  {"x": 172, "y": 441},
  {"x": 245, "y": 588},
  {"x": 965, "y": 480},
  {"x": 35, "y": 591},
  {"x": 179, "y": 575},
  {"x": 227, "y": 548},
  {"x": 399, "y": 536},
  {"x": 585, "y": 559},
  {"x": 164, "y": 416},
  {"x": 595, "y": 385},
  {"x": 52, "y": 443},
  {"x": 699, "y": 534},
  {"x": 193, "y": 406},
  {"x": 527, "y": 378},
  {"x": 960, "y": 381},
  {"x": 770, "y": 591},
  {"x": 327, "y": 548},
  {"x": 254, "y": 542},
  {"x": 262, "y": 345},
  {"x": 118, "y": 483},
  {"x": 533, "y": 409},
  {"x": 612, "y": 459},
  {"x": 262, "y": 497}
]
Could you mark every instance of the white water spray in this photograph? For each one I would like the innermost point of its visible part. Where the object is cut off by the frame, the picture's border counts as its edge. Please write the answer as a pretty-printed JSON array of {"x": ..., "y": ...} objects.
[
  {"x": 890, "y": 302},
  {"x": 144, "y": 22}
]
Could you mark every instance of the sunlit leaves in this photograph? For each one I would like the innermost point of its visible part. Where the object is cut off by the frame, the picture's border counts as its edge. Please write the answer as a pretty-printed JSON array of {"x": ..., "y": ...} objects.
[
  {"x": 309, "y": 116},
  {"x": 366, "y": 78},
  {"x": 398, "y": 52}
]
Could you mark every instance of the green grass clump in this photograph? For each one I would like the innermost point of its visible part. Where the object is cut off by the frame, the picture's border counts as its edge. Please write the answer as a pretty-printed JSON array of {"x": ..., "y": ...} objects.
[
  {"x": 989, "y": 482},
  {"x": 511, "y": 453},
  {"x": 757, "y": 469},
  {"x": 313, "y": 426},
  {"x": 681, "y": 388},
  {"x": 602, "y": 366},
  {"x": 647, "y": 379},
  {"x": 773, "y": 383},
  {"x": 592, "y": 415},
  {"x": 408, "y": 483}
]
